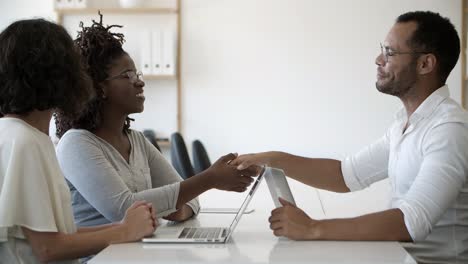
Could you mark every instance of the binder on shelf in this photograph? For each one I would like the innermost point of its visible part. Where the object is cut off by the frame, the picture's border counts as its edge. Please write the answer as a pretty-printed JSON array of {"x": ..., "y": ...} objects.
[
  {"x": 69, "y": 4},
  {"x": 145, "y": 52},
  {"x": 156, "y": 51},
  {"x": 60, "y": 4},
  {"x": 80, "y": 3},
  {"x": 168, "y": 52},
  {"x": 466, "y": 66}
]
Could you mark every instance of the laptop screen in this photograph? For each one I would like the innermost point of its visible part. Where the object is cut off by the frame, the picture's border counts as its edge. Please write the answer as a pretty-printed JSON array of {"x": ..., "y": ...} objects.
[{"x": 246, "y": 201}]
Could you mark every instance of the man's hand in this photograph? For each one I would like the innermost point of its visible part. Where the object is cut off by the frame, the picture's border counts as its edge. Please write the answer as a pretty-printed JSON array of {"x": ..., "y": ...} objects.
[
  {"x": 291, "y": 222},
  {"x": 252, "y": 161},
  {"x": 225, "y": 176}
]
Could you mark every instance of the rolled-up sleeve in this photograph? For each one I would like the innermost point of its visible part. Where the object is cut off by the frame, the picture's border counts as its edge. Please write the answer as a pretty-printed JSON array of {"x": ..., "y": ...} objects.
[
  {"x": 367, "y": 166},
  {"x": 439, "y": 180}
]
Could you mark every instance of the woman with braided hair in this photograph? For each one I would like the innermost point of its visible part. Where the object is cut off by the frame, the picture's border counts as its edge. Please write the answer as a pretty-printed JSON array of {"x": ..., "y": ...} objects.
[
  {"x": 107, "y": 164},
  {"x": 41, "y": 71}
]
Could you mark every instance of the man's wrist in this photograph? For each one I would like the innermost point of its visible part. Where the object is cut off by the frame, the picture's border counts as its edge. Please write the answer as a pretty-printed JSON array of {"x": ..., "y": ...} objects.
[
  {"x": 316, "y": 229},
  {"x": 272, "y": 158}
]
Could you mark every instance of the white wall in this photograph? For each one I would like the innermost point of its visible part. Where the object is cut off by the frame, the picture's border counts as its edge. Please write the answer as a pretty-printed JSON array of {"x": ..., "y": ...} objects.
[
  {"x": 22, "y": 9},
  {"x": 296, "y": 76}
]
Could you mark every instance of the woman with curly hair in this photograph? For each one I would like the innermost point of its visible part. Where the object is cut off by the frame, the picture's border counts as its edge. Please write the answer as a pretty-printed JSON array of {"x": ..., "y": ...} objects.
[
  {"x": 107, "y": 164},
  {"x": 41, "y": 71}
]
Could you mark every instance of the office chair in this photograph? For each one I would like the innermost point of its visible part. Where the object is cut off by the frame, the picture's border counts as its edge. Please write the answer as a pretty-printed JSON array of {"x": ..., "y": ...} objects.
[
  {"x": 151, "y": 136},
  {"x": 201, "y": 161},
  {"x": 179, "y": 156}
]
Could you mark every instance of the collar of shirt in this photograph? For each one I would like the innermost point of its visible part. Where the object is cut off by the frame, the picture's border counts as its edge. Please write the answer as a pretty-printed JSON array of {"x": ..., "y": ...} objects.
[{"x": 426, "y": 108}]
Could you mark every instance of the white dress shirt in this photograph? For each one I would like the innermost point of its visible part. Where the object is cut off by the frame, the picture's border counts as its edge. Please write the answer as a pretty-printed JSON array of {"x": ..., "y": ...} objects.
[{"x": 427, "y": 166}]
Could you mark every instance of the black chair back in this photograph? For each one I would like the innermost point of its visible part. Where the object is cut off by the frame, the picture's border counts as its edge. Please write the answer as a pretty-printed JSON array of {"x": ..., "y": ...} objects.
[
  {"x": 179, "y": 156},
  {"x": 151, "y": 136},
  {"x": 201, "y": 161}
]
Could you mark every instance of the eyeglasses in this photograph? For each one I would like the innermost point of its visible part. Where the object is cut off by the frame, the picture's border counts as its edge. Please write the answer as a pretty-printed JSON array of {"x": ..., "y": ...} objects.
[
  {"x": 132, "y": 76},
  {"x": 388, "y": 52}
]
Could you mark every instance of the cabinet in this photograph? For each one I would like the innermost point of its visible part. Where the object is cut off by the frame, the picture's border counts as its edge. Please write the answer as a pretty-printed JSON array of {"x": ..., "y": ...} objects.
[{"x": 153, "y": 39}]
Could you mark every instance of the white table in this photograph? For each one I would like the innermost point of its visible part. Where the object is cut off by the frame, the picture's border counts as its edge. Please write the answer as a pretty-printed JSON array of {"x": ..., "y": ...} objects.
[{"x": 253, "y": 242}]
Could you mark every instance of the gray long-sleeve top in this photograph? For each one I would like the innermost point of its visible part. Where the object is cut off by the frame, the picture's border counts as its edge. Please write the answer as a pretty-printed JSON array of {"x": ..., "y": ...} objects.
[{"x": 104, "y": 185}]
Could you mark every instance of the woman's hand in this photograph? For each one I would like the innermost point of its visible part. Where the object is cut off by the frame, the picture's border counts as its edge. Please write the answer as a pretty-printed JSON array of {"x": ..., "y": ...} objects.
[
  {"x": 225, "y": 176},
  {"x": 184, "y": 213},
  {"x": 139, "y": 221}
]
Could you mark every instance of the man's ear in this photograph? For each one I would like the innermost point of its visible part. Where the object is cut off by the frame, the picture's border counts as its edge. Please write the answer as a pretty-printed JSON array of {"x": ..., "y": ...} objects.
[{"x": 427, "y": 64}]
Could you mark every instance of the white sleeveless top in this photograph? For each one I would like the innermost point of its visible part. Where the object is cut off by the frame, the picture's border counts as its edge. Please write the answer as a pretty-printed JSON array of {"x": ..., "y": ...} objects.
[{"x": 33, "y": 191}]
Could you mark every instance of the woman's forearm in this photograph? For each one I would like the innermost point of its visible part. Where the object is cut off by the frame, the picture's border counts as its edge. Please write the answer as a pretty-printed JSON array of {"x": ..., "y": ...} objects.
[
  {"x": 54, "y": 246},
  {"x": 95, "y": 228},
  {"x": 184, "y": 213},
  {"x": 193, "y": 187}
]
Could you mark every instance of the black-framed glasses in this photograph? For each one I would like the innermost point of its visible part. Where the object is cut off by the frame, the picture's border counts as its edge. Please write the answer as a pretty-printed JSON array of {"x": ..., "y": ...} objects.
[
  {"x": 132, "y": 76},
  {"x": 388, "y": 52}
]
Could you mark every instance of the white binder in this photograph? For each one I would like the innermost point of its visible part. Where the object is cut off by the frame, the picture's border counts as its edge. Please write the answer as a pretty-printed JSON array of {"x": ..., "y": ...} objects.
[
  {"x": 145, "y": 52},
  {"x": 169, "y": 52},
  {"x": 60, "y": 4},
  {"x": 69, "y": 4},
  {"x": 65, "y": 4},
  {"x": 156, "y": 58},
  {"x": 79, "y": 3}
]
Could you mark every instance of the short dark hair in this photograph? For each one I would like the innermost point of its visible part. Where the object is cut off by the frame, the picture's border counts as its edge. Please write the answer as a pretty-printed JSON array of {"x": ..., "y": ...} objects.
[
  {"x": 99, "y": 48},
  {"x": 40, "y": 69},
  {"x": 437, "y": 35}
]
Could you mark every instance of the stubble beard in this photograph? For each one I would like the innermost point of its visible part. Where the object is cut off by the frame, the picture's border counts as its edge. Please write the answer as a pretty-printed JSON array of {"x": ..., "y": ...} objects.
[{"x": 399, "y": 87}]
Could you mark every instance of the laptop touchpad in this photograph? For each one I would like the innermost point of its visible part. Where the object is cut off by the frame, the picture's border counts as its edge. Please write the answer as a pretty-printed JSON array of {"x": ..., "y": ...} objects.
[{"x": 168, "y": 232}]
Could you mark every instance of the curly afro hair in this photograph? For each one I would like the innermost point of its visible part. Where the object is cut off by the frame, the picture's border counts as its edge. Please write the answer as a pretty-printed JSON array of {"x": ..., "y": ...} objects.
[
  {"x": 40, "y": 69},
  {"x": 99, "y": 48}
]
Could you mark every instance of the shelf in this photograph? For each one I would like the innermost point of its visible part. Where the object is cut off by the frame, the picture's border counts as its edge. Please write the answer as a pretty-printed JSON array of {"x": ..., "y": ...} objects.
[
  {"x": 163, "y": 142},
  {"x": 165, "y": 12},
  {"x": 115, "y": 10},
  {"x": 150, "y": 77}
]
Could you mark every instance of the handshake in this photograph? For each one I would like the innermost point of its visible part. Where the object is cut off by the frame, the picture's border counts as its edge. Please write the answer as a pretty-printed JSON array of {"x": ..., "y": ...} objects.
[{"x": 225, "y": 174}]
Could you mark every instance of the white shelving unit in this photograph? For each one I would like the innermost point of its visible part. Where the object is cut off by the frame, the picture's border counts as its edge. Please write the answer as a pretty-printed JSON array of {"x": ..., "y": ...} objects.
[{"x": 134, "y": 19}]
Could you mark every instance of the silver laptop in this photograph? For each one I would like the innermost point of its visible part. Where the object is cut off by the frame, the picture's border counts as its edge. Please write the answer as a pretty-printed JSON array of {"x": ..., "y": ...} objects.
[{"x": 192, "y": 234}]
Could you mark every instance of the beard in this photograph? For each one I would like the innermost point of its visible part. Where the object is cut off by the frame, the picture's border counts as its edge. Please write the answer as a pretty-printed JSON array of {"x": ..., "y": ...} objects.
[{"x": 398, "y": 86}]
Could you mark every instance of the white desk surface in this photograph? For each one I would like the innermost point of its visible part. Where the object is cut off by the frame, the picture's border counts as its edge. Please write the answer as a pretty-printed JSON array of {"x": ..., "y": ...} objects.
[{"x": 253, "y": 242}]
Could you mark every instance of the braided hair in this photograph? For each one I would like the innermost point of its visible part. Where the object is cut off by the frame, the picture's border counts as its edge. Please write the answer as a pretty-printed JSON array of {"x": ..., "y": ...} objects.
[{"x": 99, "y": 48}]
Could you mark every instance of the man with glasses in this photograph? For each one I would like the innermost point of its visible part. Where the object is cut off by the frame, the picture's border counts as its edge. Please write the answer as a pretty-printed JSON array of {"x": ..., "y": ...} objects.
[{"x": 424, "y": 154}]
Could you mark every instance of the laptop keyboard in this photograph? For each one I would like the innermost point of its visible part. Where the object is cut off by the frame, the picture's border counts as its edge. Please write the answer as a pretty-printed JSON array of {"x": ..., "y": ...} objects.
[{"x": 204, "y": 232}]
